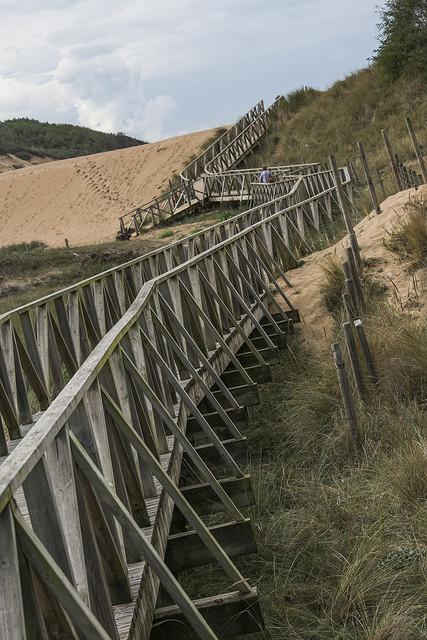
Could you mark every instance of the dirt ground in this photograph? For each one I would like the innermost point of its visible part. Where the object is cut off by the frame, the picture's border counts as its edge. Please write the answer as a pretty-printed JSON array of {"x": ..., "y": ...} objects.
[
  {"x": 402, "y": 286},
  {"x": 81, "y": 198}
]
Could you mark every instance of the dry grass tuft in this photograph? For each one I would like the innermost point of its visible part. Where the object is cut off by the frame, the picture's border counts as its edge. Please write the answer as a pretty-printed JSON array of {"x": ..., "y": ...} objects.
[
  {"x": 409, "y": 238},
  {"x": 333, "y": 284}
]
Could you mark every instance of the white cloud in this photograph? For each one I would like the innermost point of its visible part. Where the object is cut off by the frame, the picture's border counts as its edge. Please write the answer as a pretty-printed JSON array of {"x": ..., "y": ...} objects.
[{"x": 152, "y": 68}]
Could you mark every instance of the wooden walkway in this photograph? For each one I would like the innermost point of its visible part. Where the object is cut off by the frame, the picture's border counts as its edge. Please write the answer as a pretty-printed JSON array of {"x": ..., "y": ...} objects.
[
  {"x": 195, "y": 189},
  {"x": 123, "y": 413}
]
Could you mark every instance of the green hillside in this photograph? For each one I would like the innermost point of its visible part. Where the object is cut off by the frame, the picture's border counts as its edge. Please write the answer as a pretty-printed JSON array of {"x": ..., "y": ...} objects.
[
  {"x": 314, "y": 124},
  {"x": 25, "y": 137}
]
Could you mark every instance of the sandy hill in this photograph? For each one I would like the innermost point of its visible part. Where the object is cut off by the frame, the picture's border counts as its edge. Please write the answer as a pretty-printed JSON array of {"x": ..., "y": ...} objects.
[
  {"x": 9, "y": 162},
  {"x": 387, "y": 269},
  {"x": 81, "y": 198}
]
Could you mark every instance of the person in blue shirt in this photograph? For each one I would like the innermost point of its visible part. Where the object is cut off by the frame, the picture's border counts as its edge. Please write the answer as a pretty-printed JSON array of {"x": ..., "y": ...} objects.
[{"x": 265, "y": 176}]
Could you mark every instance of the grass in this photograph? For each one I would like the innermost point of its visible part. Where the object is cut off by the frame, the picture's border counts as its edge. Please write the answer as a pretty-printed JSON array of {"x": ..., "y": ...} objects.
[
  {"x": 30, "y": 270},
  {"x": 333, "y": 284},
  {"x": 409, "y": 237},
  {"x": 354, "y": 109},
  {"x": 342, "y": 542},
  {"x": 167, "y": 233}
]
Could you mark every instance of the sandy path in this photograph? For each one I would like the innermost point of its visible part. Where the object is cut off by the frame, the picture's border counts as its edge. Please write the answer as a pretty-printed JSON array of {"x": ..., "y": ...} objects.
[
  {"x": 81, "y": 198},
  {"x": 308, "y": 278}
]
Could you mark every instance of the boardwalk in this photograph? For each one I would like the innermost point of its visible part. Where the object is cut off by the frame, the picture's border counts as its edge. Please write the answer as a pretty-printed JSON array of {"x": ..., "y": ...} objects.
[{"x": 123, "y": 408}]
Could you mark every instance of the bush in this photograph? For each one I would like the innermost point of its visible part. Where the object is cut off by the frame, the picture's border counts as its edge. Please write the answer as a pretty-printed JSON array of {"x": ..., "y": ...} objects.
[
  {"x": 403, "y": 39},
  {"x": 409, "y": 238},
  {"x": 167, "y": 233},
  {"x": 333, "y": 284},
  {"x": 22, "y": 247}
]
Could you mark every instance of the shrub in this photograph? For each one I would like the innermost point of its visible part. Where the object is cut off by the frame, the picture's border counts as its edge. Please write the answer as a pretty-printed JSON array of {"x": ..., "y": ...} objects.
[
  {"x": 333, "y": 284},
  {"x": 403, "y": 38},
  {"x": 409, "y": 238}
]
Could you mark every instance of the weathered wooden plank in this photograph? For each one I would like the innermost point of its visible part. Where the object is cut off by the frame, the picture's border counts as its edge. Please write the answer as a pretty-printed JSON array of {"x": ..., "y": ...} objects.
[
  {"x": 12, "y": 623},
  {"x": 229, "y": 615},
  {"x": 185, "y": 550}
]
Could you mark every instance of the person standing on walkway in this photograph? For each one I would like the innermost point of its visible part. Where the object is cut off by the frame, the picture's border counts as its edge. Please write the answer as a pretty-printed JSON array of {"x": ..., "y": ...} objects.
[{"x": 265, "y": 176}]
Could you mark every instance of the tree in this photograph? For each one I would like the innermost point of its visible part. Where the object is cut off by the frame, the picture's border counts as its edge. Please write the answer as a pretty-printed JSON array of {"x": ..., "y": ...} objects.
[{"x": 402, "y": 39}]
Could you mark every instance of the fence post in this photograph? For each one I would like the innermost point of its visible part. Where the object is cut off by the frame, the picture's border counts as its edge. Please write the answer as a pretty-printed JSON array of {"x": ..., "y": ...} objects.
[
  {"x": 368, "y": 177},
  {"x": 344, "y": 208},
  {"x": 348, "y": 305},
  {"x": 349, "y": 408},
  {"x": 354, "y": 271},
  {"x": 366, "y": 350},
  {"x": 392, "y": 160},
  {"x": 351, "y": 286},
  {"x": 417, "y": 149},
  {"x": 354, "y": 359}
]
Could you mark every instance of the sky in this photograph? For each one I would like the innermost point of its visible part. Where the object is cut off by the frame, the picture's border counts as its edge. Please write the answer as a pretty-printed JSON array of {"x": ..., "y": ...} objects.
[{"x": 158, "y": 68}]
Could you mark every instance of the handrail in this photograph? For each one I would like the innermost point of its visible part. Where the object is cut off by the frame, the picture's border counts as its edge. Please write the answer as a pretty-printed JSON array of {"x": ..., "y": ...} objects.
[
  {"x": 43, "y": 343},
  {"x": 66, "y": 401},
  {"x": 82, "y": 283},
  {"x": 89, "y": 493},
  {"x": 255, "y": 116}
]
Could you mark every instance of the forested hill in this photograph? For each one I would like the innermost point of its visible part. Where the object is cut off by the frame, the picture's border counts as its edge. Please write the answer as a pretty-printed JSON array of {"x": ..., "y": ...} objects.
[{"x": 25, "y": 137}]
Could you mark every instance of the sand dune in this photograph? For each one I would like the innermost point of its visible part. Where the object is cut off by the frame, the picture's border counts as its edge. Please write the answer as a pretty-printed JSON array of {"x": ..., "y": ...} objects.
[
  {"x": 81, "y": 198},
  {"x": 10, "y": 162},
  {"x": 387, "y": 269}
]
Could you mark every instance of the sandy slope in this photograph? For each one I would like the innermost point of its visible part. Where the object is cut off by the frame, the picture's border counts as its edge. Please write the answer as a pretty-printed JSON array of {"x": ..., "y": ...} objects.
[
  {"x": 81, "y": 198},
  {"x": 307, "y": 279},
  {"x": 9, "y": 162}
]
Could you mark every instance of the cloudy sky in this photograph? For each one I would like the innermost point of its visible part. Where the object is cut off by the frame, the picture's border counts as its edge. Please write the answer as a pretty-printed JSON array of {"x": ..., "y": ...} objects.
[{"x": 155, "y": 68}]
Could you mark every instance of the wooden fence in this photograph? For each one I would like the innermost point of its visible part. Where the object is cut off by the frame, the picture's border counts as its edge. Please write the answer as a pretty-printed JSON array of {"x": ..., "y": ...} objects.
[
  {"x": 226, "y": 152},
  {"x": 88, "y": 496},
  {"x": 42, "y": 344},
  {"x": 130, "y": 388}
]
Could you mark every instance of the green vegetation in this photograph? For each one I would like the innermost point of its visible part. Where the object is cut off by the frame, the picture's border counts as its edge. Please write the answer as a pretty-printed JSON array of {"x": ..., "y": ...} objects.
[
  {"x": 25, "y": 137},
  {"x": 403, "y": 39},
  {"x": 409, "y": 237},
  {"x": 333, "y": 284},
  {"x": 354, "y": 109},
  {"x": 167, "y": 233},
  {"x": 31, "y": 270},
  {"x": 310, "y": 125},
  {"x": 341, "y": 537}
]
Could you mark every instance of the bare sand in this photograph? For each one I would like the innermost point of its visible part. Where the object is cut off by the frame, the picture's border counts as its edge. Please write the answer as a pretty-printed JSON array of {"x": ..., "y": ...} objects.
[
  {"x": 402, "y": 286},
  {"x": 81, "y": 198}
]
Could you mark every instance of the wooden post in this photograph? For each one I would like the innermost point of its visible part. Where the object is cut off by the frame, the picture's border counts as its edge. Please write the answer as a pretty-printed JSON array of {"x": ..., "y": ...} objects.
[
  {"x": 344, "y": 207},
  {"x": 354, "y": 359},
  {"x": 349, "y": 408},
  {"x": 417, "y": 149},
  {"x": 392, "y": 160},
  {"x": 366, "y": 351},
  {"x": 348, "y": 305},
  {"x": 350, "y": 286},
  {"x": 354, "y": 274},
  {"x": 368, "y": 177}
]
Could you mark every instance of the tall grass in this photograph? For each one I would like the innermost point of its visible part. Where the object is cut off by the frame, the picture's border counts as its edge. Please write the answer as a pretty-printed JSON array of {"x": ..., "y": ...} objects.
[
  {"x": 409, "y": 237},
  {"x": 353, "y": 109},
  {"x": 341, "y": 539}
]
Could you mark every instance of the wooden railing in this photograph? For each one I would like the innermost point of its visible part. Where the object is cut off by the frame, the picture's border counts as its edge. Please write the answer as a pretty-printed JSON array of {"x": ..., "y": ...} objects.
[
  {"x": 104, "y": 378},
  {"x": 86, "y": 499},
  {"x": 226, "y": 152},
  {"x": 197, "y": 166},
  {"x": 42, "y": 344}
]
